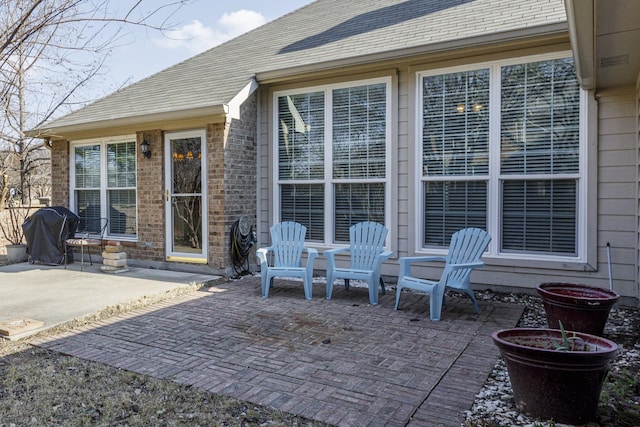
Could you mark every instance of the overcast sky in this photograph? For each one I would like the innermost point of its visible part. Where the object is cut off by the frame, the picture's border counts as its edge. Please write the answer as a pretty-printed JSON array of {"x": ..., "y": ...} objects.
[{"x": 200, "y": 25}]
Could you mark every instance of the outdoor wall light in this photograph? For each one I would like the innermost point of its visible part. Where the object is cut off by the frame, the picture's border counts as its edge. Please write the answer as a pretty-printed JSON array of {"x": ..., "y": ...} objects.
[{"x": 144, "y": 147}]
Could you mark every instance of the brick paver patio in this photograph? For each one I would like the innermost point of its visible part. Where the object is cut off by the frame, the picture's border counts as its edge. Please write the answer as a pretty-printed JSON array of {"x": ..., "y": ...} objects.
[{"x": 342, "y": 361}]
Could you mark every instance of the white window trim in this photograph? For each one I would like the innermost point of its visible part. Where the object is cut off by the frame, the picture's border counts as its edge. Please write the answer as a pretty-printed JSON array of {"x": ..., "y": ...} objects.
[
  {"x": 493, "y": 193},
  {"x": 329, "y": 181},
  {"x": 103, "y": 142}
]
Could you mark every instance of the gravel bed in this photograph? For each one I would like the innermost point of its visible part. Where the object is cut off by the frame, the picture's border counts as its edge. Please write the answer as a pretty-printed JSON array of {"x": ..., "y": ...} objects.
[{"x": 620, "y": 400}]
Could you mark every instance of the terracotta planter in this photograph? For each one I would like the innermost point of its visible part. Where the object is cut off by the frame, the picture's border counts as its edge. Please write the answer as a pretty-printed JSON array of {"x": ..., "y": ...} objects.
[
  {"x": 579, "y": 307},
  {"x": 17, "y": 253},
  {"x": 551, "y": 384}
]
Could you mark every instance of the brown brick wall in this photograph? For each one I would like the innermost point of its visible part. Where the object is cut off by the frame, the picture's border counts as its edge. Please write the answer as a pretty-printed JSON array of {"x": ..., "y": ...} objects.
[
  {"x": 231, "y": 181},
  {"x": 216, "y": 135},
  {"x": 231, "y": 187},
  {"x": 150, "y": 181},
  {"x": 241, "y": 171},
  {"x": 60, "y": 173},
  {"x": 240, "y": 164}
]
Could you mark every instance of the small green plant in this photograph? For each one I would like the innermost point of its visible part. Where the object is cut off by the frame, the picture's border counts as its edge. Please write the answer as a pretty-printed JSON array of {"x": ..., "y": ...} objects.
[{"x": 570, "y": 343}]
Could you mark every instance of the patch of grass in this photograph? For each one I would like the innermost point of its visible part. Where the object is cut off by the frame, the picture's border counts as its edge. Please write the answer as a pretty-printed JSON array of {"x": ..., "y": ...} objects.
[
  {"x": 40, "y": 387},
  {"x": 620, "y": 398}
]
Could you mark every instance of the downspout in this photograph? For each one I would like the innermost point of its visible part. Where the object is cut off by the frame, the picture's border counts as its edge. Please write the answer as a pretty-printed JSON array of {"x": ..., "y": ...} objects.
[{"x": 581, "y": 19}]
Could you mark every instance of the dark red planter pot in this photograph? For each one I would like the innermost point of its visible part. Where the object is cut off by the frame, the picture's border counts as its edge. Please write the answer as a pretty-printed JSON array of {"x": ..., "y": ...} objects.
[
  {"x": 550, "y": 384},
  {"x": 580, "y": 307}
]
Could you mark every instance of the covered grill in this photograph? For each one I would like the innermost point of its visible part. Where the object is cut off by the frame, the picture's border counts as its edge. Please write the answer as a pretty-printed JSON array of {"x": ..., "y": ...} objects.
[{"x": 46, "y": 231}]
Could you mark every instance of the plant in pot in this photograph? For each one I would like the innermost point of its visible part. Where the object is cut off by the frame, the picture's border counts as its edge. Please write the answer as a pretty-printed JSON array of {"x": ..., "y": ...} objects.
[
  {"x": 556, "y": 375},
  {"x": 12, "y": 217},
  {"x": 579, "y": 307}
]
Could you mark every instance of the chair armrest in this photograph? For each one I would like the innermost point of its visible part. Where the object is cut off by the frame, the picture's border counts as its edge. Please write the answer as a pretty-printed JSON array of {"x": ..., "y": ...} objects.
[
  {"x": 466, "y": 265},
  {"x": 330, "y": 255},
  {"x": 312, "y": 253},
  {"x": 385, "y": 255},
  {"x": 333, "y": 252},
  {"x": 262, "y": 253},
  {"x": 405, "y": 263}
]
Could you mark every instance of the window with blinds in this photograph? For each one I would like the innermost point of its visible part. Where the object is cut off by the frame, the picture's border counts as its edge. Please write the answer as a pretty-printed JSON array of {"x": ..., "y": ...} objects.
[
  {"x": 345, "y": 127},
  {"x": 87, "y": 182},
  {"x": 107, "y": 192},
  {"x": 533, "y": 132},
  {"x": 121, "y": 188},
  {"x": 455, "y": 153},
  {"x": 540, "y": 144}
]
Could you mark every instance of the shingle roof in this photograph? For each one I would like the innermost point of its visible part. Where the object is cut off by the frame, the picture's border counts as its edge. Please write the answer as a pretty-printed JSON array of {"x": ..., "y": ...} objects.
[{"x": 321, "y": 32}]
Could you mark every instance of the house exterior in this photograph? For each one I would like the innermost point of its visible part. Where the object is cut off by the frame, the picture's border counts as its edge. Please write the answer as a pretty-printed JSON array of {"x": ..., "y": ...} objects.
[{"x": 425, "y": 115}]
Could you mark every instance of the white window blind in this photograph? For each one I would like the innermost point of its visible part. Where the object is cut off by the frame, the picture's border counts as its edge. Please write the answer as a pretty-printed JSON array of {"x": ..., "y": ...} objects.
[
  {"x": 354, "y": 189},
  {"x": 301, "y": 159},
  {"x": 455, "y": 134},
  {"x": 87, "y": 184},
  {"x": 534, "y": 133},
  {"x": 540, "y": 118},
  {"x": 359, "y": 154},
  {"x": 304, "y": 203},
  {"x": 121, "y": 188},
  {"x": 301, "y": 136}
]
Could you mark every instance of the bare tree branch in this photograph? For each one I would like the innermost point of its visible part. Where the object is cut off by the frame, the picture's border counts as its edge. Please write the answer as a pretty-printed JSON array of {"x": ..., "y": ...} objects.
[{"x": 49, "y": 51}]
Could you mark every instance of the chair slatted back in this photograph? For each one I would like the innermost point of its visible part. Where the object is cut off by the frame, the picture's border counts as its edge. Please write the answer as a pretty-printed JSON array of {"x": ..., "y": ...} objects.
[
  {"x": 467, "y": 246},
  {"x": 287, "y": 241},
  {"x": 367, "y": 240}
]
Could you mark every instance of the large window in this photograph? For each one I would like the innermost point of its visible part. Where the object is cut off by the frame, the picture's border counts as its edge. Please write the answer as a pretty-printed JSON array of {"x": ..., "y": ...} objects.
[
  {"x": 332, "y": 159},
  {"x": 103, "y": 180},
  {"x": 500, "y": 150}
]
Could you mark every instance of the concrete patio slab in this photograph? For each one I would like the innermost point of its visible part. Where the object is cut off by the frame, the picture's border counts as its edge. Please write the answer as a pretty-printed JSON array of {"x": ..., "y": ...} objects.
[{"x": 54, "y": 294}]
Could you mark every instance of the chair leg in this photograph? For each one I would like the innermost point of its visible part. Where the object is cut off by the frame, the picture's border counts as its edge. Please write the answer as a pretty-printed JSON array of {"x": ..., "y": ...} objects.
[
  {"x": 473, "y": 300},
  {"x": 264, "y": 284},
  {"x": 398, "y": 292},
  {"x": 436, "y": 299},
  {"x": 329, "y": 287},
  {"x": 307, "y": 283},
  {"x": 373, "y": 293},
  {"x": 382, "y": 286},
  {"x": 346, "y": 284}
]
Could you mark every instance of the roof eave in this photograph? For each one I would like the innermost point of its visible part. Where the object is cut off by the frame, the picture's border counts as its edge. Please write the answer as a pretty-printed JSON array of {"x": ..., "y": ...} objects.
[
  {"x": 580, "y": 18},
  {"x": 137, "y": 121},
  {"x": 548, "y": 30}
]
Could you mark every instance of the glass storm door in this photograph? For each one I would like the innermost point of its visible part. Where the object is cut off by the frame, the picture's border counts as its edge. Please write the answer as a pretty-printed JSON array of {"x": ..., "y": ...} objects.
[{"x": 185, "y": 196}]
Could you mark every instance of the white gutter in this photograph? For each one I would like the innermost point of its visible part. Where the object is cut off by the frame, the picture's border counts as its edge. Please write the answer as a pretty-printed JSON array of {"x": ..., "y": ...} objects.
[{"x": 59, "y": 131}]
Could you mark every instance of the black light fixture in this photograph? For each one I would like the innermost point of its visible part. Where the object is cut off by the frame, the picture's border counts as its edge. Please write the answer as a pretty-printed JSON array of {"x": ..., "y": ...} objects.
[{"x": 144, "y": 147}]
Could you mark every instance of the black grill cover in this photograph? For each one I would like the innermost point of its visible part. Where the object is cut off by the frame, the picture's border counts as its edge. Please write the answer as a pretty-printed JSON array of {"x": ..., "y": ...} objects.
[{"x": 46, "y": 230}]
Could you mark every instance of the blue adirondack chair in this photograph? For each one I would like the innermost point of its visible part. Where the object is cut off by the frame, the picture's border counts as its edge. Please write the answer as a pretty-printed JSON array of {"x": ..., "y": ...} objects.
[
  {"x": 367, "y": 253},
  {"x": 466, "y": 248},
  {"x": 287, "y": 247}
]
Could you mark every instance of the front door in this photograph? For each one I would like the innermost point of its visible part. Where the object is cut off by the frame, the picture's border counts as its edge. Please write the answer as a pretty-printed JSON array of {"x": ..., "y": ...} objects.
[{"x": 185, "y": 196}]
